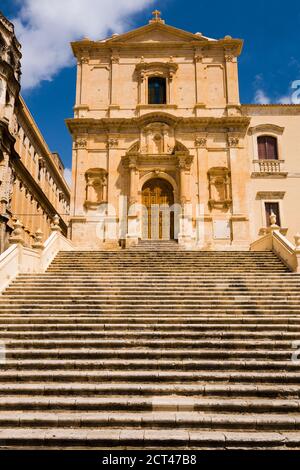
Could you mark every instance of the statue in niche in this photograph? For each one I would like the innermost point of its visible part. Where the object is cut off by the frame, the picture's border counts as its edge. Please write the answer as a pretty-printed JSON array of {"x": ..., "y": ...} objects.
[
  {"x": 158, "y": 144},
  {"x": 219, "y": 189},
  {"x": 157, "y": 138},
  {"x": 96, "y": 187}
]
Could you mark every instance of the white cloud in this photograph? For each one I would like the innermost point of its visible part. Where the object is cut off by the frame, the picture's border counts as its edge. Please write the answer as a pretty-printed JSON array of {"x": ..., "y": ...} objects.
[
  {"x": 45, "y": 28},
  {"x": 261, "y": 97},
  {"x": 68, "y": 176},
  {"x": 287, "y": 99}
]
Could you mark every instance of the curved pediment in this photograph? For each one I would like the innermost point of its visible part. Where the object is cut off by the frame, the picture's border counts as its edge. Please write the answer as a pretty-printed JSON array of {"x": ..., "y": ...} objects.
[
  {"x": 158, "y": 116},
  {"x": 266, "y": 128}
]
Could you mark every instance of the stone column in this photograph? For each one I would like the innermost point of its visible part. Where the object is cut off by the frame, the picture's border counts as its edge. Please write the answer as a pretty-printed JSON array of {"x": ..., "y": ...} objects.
[
  {"x": 83, "y": 77},
  {"x": 233, "y": 97},
  {"x": 78, "y": 196},
  {"x": 132, "y": 234},
  {"x": 114, "y": 86},
  {"x": 133, "y": 181},
  {"x": 239, "y": 189},
  {"x": 186, "y": 229},
  {"x": 203, "y": 219},
  {"x": 200, "y": 79}
]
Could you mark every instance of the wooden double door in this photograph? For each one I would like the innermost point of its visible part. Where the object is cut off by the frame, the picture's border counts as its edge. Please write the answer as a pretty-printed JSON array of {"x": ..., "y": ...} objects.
[{"x": 158, "y": 211}]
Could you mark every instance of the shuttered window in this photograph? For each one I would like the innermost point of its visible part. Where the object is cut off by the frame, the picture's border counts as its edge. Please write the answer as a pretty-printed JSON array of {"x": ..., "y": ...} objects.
[{"x": 267, "y": 148}]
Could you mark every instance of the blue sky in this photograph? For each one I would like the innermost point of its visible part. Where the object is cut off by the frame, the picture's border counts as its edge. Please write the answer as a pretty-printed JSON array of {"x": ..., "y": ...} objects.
[{"x": 269, "y": 63}]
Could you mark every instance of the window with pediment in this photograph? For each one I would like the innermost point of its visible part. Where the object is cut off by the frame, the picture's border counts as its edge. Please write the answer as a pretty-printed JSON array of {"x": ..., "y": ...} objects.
[
  {"x": 267, "y": 147},
  {"x": 155, "y": 82},
  {"x": 157, "y": 90}
]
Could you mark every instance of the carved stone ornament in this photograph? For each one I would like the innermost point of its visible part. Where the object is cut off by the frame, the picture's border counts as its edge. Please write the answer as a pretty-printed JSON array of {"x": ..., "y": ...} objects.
[
  {"x": 80, "y": 144},
  {"x": 198, "y": 58},
  {"x": 112, "y": 142},
  {"x": 233, "y": 141},
  {"x": 219, "y": 188},
  {"x": 96, "y": 187},
  {"x": 229, "y": 58},
  {"x": 185, "y": 162},
  {"x": 229, "y": 55},
  {"x": 157, "y": 138},
  {"x": 200, "y": 142},
  {"x": 162, "y": 69}
]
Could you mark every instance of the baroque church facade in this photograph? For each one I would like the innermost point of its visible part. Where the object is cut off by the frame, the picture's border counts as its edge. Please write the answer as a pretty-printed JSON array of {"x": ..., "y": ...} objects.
[{"x": 163, "y": 149}]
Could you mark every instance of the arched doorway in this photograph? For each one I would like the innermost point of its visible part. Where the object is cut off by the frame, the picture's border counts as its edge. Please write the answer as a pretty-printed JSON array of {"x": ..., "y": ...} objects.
[{"x": 158, "y": 213}]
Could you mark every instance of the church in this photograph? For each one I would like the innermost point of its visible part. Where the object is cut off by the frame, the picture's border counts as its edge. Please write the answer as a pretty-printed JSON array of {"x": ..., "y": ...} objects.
[
  {"x": 163, "y": 148},
  {"x": 169, "y": 316}
]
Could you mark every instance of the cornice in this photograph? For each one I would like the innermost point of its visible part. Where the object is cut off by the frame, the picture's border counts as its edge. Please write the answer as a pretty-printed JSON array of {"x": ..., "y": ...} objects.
[
  {"x": 271, "y": 109},
  {"x": 83, "y": 49},
  {"x": 183, "y": 39},
  {"x": 85, "y": 125}
]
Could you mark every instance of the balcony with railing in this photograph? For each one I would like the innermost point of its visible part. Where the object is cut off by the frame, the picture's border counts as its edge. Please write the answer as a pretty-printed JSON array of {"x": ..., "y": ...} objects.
[{"x": 269, "y": 168}]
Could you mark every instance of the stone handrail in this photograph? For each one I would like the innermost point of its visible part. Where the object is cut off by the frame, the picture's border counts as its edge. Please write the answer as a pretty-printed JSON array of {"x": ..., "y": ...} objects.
[
  {"x": 55, "y": 243},
  {"x": 285, "y": 250},
  {"x": 264, "y": 243},
  {"x": 18, "y": 259}
]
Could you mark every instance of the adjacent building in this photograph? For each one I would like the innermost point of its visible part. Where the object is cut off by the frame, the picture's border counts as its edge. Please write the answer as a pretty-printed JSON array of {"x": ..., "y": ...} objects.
[
  {"x": 32, "y": 185},
  {"x": 163, "y": 147}
]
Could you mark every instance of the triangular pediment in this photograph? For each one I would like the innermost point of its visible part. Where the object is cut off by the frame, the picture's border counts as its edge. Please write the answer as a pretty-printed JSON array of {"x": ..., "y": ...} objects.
[{"x": 157, "y": 33}]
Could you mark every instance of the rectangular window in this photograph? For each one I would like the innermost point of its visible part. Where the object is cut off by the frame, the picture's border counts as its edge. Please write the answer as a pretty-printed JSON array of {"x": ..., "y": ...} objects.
[
  {"x": 272, "y": 207},
  {"x": 157, "y": 90},
  {"x": 267, "y": 148}
]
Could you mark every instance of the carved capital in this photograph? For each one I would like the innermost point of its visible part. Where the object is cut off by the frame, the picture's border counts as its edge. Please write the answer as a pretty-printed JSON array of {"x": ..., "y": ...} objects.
[
  {"x": 201, "y": 142},
  {"x": 80, "y": 144},
  {"x": 198, "y": 58},
  {"x": 185, "y": 162},
  {"x": 112, "y": 143},
  {"x": 229, "y": 57},
  {"x": 233, "y": 141}
]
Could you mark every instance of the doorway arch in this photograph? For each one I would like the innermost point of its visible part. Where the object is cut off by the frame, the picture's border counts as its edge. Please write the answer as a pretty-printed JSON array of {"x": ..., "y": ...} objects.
[{"x": 157, "y": 209}]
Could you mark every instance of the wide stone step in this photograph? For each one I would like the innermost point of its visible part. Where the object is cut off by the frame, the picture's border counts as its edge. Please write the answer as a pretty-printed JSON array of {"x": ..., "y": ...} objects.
[
  {"x": 192, "y": 343},
  {"x": 145, "y": 305},
  {"x": 142, "y": 420},
  {"x": 124, "y": 310},
  {"x": 150, "y": 376},
  {"x": 149, "y": 353},
  {"x": 140, "y": 389},
  {"x": 160, "y": 298},
  {"x": 126, "y": 438},
  {"x": 125, "y": 337},
  {"x": 166, "y": 403},
  {"x": 228, "y": 364},
  {"x": 110, "y": 290},
  {"x": 169, "y": 324}
]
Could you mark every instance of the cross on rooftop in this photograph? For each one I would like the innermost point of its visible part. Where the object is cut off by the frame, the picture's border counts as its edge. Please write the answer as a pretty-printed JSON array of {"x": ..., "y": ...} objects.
[{"x": 156, "y": 15}]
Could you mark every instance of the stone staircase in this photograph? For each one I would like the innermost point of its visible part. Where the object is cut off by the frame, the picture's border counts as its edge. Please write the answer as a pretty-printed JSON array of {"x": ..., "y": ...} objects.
[
  {"x": 156, "y": 245},
  {"x": 156, "y": 350}
]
